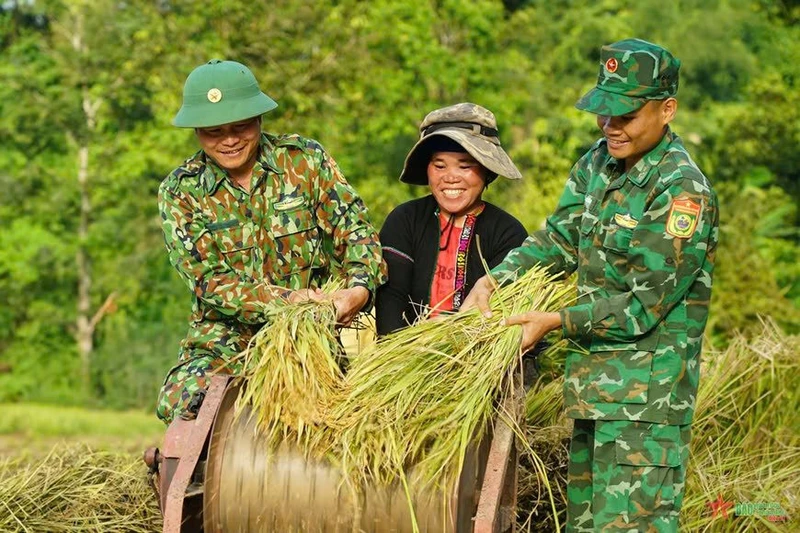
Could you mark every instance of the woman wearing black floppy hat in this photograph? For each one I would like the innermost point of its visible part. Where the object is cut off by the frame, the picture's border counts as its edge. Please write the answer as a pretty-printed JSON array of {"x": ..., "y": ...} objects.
[{"x": 431, "y": 244}]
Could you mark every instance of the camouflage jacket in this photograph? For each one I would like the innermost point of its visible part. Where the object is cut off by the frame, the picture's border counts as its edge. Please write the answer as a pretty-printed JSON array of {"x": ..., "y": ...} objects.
[
  {"x": 236, "y": 250},
  {"x": 643, "y": 245}
]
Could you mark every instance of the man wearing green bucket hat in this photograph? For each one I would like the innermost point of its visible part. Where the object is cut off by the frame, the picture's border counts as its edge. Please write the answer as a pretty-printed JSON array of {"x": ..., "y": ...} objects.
[
  {"x": 638, "y": 223},
  {"x": 252, "y": 217}
]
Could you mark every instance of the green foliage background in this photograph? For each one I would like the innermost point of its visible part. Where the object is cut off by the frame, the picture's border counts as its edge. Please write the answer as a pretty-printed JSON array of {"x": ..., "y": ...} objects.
[{"x": 358, "y": 77}]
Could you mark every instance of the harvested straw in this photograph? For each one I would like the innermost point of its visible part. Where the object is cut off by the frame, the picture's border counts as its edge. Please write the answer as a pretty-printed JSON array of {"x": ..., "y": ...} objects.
[
  {"x": 77, "y": 490},
  {"x": 416, "y": 398},
  {"x": 293, "y": 371},
  {"x": 419, "y": 397},
  {"x": 746, "y": 438}
]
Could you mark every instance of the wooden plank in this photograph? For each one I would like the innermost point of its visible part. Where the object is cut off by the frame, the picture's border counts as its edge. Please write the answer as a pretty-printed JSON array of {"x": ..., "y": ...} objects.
[{"x": 494, "y": 481}]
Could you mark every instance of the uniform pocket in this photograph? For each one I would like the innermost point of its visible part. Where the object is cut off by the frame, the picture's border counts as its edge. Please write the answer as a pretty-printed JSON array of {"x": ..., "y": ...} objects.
[
  {"x": 656, "y": 471},
  {"x": 588, "y": 222},
  {"x": 617, "y": 239},
  {"x": 296, "y": 239},
  {"x": 643, "y": 447},
  {"x": 613, "y": 374},
  {"x": 235, "y": 242}
]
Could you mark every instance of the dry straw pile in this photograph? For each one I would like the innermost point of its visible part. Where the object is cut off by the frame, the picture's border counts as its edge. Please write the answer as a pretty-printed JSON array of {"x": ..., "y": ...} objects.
[{"x": 76, "y": 490}]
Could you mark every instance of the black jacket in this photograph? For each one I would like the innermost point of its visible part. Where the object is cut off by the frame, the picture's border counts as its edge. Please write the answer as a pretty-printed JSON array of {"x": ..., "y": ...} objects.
[{"x": 410, "y": 241}]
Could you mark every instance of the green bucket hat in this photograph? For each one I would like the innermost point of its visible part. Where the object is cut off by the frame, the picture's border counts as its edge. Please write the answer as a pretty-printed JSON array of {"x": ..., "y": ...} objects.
[
  {"x": 632, "y": 72},
  {"x": 221, "y": 92},
  {"x": 471, "y": 126}
]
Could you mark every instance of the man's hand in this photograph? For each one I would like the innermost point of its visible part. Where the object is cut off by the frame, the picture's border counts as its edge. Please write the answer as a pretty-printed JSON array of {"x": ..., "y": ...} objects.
[
  {"x": 348, "y": 303},
  {"x": 535, "y": 325},
  {"x": 306, "y": 295},
  {"x": 479, "y": 297}
]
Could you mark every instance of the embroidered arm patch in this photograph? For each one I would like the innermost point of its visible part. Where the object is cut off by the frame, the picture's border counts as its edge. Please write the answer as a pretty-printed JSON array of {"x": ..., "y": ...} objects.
[{"x": 682, "y": 219}]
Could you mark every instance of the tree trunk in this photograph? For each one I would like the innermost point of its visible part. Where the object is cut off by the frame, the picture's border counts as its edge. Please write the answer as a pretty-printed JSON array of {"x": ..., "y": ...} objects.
[
  {"x": 85, "y": 323},
  {"x": 85, "y": 328}
]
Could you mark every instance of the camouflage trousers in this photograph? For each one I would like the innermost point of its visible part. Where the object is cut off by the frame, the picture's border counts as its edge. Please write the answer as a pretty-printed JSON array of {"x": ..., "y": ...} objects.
[
  {"x": 626, "y": 476},
  {"x": 192, "y": 374}
]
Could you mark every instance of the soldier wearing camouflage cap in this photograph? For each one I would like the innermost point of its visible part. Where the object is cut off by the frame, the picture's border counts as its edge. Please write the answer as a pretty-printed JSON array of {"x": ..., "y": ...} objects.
[
  {"x": 638, "y": 222},
  {"x": 430, "y": 244},
  {"x": 249, "y": 218}
]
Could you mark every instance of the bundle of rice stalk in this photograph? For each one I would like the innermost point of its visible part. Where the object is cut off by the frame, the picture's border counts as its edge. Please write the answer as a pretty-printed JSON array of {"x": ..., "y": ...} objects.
[
  {"x": 292, "y": 372},
  {"x": 77, "y": 490},
  {"x": 541, "y": 489},
  {"x": 419, "y": 397},
  {"x": 544, "y": 403}
]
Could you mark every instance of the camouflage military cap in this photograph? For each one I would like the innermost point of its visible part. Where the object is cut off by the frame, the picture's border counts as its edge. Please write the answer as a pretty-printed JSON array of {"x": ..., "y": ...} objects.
[
  {"x": 473, "y": 127},
  {"x": 632, "y": 72},
  {"x": 221, "y": 92}
]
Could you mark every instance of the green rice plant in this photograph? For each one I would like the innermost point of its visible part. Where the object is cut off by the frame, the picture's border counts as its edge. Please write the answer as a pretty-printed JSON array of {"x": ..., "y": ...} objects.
[
  {"x": 745, "y": 444},
  {"x": 35, "y": 420},
  {"x": 33, "y": 429},
  {"x": 544, "y": 454},
  {"x": 544, "y": 403},
  {"x": 76, "y": 490}
]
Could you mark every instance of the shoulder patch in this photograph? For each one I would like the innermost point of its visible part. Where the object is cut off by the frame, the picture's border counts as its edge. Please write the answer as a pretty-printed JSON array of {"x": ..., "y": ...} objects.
[
  {"x": 189, "y": 168},
  {"x": 682, "y": 219},
  {"x": 292, "y": 141}
]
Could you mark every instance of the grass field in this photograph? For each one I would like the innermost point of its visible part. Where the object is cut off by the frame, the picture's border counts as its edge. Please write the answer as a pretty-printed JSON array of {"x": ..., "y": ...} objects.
[{"x": 33, "y": 430}]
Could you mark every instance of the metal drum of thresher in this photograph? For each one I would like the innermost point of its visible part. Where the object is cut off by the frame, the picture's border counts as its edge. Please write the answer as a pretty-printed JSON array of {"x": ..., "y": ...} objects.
[{"x": 249, "y": 488}]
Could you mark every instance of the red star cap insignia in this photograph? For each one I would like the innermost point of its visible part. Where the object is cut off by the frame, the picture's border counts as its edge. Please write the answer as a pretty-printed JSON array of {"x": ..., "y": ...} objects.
[{"x": 611, "y": 65}]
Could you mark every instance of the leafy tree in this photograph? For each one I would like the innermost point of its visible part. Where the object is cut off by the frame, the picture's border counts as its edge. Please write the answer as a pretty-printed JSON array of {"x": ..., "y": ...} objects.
[
  {"x": 88, "y": 90},
  {"x": 745, "y": 277}
]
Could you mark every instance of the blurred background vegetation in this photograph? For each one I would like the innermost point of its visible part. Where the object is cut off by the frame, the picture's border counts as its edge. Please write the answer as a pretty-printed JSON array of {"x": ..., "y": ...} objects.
[{"x": 91, "y": 312}]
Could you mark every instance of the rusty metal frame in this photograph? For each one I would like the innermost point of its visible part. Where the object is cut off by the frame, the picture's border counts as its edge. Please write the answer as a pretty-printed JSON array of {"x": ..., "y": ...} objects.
[{"x": 189, "y": 453}]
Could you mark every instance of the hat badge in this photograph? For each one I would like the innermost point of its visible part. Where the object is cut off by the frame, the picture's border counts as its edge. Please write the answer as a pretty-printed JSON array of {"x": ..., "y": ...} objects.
[
  {"x": 611, "y": 65},
  {"x": 214, "y": 95}
]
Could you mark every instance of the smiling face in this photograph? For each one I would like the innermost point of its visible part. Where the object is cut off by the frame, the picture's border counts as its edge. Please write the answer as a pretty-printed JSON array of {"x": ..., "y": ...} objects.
[
  {"x": 233, "y": 146},
  {"x": 631, "y": 136},
  {"x": 457, "y": 181}
]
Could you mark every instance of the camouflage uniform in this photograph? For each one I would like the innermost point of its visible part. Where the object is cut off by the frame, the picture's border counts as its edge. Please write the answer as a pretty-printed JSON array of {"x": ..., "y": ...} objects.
[
  {"x": 642, "y": 243},
  {"x": 236, "y": 250}
]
